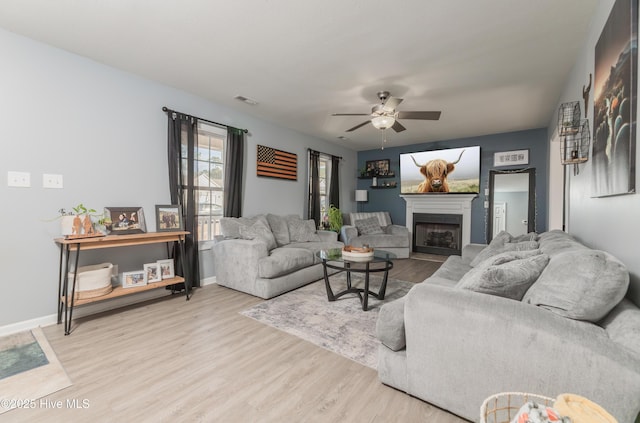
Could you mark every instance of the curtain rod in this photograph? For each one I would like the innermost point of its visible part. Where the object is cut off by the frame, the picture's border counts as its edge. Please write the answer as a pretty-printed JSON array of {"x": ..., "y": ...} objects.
[
  {"x": 165, "y": 109},
  {"x": 326, "y": 154}
]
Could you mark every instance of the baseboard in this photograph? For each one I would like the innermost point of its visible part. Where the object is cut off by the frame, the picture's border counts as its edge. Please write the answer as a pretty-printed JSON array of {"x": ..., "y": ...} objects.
[
  {"x": 207, "y": 281},
  {"x": 28, "y": 324}
]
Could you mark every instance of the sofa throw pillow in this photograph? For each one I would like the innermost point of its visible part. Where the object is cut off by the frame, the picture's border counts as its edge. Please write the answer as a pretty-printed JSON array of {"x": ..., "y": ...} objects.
[
  {"x": 303, "y": 230},
  {"x": 368, "y": 226},
  {"x": 508, "y": 274},
  {"x": 259, "y": 232},
  {"x": 279, "y": 228},
  {"x": 501, "y": 247},
  {"x": 581, "y": 285}
]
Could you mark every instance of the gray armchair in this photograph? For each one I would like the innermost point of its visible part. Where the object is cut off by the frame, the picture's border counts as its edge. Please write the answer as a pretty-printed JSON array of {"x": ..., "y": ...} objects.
[{"x": 376, "y": 230}]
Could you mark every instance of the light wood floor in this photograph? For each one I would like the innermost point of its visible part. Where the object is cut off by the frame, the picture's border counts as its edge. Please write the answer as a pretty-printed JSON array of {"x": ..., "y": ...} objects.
[{"x": 170, "y": 360}]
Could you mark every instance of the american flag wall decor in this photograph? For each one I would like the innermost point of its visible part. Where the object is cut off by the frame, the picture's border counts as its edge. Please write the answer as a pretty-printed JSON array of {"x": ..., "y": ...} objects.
[{"x": 274, "y": 163}]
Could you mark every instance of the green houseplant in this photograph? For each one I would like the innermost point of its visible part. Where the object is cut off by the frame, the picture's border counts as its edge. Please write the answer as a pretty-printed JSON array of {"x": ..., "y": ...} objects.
[{"x": 335, "y": 218}]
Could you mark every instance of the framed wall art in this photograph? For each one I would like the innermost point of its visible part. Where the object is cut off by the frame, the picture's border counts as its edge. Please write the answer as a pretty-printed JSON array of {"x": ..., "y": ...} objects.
[
  {"x": 168, "y": 218},
  {"x": 378, "y": 167},
  {"x": 615, "y": 103},
  {"x": 511, "y": 158},
  {"x": 125, "y": 220},
  {"x": 274, "y": 163}
]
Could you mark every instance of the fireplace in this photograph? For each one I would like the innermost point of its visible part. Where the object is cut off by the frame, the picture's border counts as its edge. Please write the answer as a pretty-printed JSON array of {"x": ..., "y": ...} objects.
[
  {"x": 437, "y": 233},
  {"x": 445, "y": 204}
]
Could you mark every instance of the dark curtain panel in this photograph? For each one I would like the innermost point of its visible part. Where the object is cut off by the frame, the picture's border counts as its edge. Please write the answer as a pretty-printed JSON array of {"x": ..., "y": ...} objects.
[
  {"x": 314, "y": 188},
  {"x": 334, "y": 185},
  {"x": 182, "y": 131},
  {"x": 234, "y": 164}
]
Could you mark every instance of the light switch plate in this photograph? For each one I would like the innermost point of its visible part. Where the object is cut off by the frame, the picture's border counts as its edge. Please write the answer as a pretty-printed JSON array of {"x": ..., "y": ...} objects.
[
  {"x": 50, "y": 180},
  {"x": 18, "y": 179}
]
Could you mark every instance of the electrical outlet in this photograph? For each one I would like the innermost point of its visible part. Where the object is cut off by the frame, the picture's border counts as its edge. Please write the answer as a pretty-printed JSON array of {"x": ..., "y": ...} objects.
[
  {"x": 486, "y": 204},
  {"x": 51, "y": 181},
  {"x": 18, "y": 179}
]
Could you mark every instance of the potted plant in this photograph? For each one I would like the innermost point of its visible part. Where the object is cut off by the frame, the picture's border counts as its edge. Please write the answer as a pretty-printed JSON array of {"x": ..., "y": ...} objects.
[
  {"x": 335, "y": 218},
  {"x": 78, "y": 221}
]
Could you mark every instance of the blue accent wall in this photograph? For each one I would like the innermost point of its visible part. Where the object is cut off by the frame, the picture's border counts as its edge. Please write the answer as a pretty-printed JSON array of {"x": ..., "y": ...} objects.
[{"x": 535, "y": 140}]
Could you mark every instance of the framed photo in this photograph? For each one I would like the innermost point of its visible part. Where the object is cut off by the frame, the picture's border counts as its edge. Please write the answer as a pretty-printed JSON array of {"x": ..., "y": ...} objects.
[
  {"x": 125, "y": 220},
  {"x": 378, "y": 167},
  {"x": 168, "y": 218},
  {"x": 166, "y": 269},
  {"x": 133, "y": 279},
  {"x": 152, "y": 272},
  {"x": 511, "y": 158}
]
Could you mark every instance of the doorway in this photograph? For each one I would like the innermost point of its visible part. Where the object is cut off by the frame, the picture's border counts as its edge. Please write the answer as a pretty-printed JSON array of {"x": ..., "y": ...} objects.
[{"x": 511, "y": 202}]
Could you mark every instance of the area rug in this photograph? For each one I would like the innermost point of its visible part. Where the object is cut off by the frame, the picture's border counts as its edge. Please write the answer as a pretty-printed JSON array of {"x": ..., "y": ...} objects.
[
  {"x": 29, "y": 369},
  {"x": 340, "y": 326}
]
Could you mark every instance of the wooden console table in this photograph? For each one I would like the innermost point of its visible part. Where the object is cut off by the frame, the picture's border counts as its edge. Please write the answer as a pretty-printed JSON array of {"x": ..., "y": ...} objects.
[{"x": 67, "y": 300}]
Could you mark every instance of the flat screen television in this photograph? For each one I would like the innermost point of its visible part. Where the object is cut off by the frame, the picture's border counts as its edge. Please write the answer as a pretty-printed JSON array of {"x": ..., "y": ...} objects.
[{"x": 452, "y": 170}]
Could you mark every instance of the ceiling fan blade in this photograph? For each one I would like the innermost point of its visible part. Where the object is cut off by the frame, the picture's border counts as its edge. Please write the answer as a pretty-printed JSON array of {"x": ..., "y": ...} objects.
[
  {"x": 358, "y": 126},
  {"x": 350, "y": 114},
  {"x": 398, "y": 127},
  {"x": 391, "y": 104},
  {"x": 419, "y": 115}
]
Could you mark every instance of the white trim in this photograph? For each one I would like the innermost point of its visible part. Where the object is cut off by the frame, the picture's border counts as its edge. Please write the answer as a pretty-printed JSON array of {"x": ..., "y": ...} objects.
[
  {"x": 208, "y": 281},
  {"x": 28, "y": 324}
]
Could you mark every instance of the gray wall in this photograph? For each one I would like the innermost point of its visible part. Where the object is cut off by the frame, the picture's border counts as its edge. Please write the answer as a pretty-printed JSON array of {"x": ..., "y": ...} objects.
[
  {"x": 608, "y": 223},
  {"x": 103, "y": 129},
  {"x": 534, "y": 140}
]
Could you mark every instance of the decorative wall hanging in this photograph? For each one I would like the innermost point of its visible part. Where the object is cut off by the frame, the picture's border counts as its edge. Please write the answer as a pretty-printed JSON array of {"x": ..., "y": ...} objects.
[
  {"x": 274, "y": 163},
  {"x": 574, "y": 135},
  {"x": 510, "y": 158},
  {"x": 615, "y": 102}
]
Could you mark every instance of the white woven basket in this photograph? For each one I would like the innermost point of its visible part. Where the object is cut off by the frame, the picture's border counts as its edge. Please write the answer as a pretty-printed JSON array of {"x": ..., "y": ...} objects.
[{"x": 503, "y": 407}]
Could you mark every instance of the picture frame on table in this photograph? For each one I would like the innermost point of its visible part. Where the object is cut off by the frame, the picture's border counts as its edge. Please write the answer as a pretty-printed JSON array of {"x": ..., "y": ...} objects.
[
  {"x": 167, "y": 270},
  {"x": 169, "y": 218},
  {"x": 152, "y": 272},
  {"x": 134, "y": 279},
  {"x": 125, "y": 220}
]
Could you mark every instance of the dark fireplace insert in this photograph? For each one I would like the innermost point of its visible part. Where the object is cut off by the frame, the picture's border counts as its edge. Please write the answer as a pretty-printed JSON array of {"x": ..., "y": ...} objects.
[{"x": 437, "y": 233}]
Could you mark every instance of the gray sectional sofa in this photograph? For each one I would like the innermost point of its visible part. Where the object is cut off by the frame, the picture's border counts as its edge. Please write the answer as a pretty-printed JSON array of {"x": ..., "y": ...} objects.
[
  {"x": 268, "y": 255},
  {"x": 540, "y": 314}
]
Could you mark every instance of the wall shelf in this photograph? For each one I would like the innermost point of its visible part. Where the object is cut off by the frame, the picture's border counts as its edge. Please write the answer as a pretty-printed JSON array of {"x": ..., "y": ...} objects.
[
  {"x": 390, "y": 175},
  {"x": 383, "y": 187}
]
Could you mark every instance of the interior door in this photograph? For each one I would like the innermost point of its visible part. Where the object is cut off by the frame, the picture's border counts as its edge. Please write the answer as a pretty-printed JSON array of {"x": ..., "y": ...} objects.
[{"x": 499, "y": 218}]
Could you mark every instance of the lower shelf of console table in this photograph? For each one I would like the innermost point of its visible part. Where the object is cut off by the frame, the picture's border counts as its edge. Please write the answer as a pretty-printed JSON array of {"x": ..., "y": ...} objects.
[{"x": 119, "y": 291}]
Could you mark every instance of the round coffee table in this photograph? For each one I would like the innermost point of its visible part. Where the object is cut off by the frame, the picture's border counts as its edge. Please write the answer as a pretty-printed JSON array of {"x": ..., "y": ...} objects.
[{"x": 380, "y": 262}]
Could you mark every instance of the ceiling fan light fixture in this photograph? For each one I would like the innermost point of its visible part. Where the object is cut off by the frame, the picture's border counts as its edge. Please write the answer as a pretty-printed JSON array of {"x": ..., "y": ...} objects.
[{"x": 383, "y": 122}]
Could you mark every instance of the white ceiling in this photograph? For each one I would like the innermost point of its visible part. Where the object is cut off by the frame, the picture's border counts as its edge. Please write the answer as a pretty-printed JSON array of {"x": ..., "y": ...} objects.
[{"x": 490, "y": 66}]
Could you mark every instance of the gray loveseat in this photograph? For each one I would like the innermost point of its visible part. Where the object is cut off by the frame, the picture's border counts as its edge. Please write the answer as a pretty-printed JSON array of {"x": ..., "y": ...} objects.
[
  {"x": 268, "y": 255},
  {"x": 376, "y": 230},
  {"x": 451, "y": 344}
]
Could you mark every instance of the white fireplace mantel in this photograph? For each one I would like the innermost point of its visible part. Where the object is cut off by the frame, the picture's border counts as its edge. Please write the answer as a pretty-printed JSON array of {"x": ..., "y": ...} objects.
[{"x": 459, "y": 204}]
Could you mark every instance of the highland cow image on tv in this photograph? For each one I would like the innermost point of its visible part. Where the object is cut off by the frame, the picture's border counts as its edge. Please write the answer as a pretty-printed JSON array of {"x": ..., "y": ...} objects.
[{"x": 455, "y": 170}]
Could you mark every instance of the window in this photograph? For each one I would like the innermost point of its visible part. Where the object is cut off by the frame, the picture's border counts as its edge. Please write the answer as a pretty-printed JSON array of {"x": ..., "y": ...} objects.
[
  {"x": 324, "y": 172},
  {"x": 208, "y": 178}
]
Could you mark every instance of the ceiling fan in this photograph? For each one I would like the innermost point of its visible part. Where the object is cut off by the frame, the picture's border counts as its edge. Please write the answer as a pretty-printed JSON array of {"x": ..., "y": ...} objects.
[{"x": 385, "y": 116}]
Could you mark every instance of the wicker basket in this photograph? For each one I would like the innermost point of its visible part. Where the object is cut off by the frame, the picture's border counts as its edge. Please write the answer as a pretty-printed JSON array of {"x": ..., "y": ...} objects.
[{"x": 503, "y": 407}]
